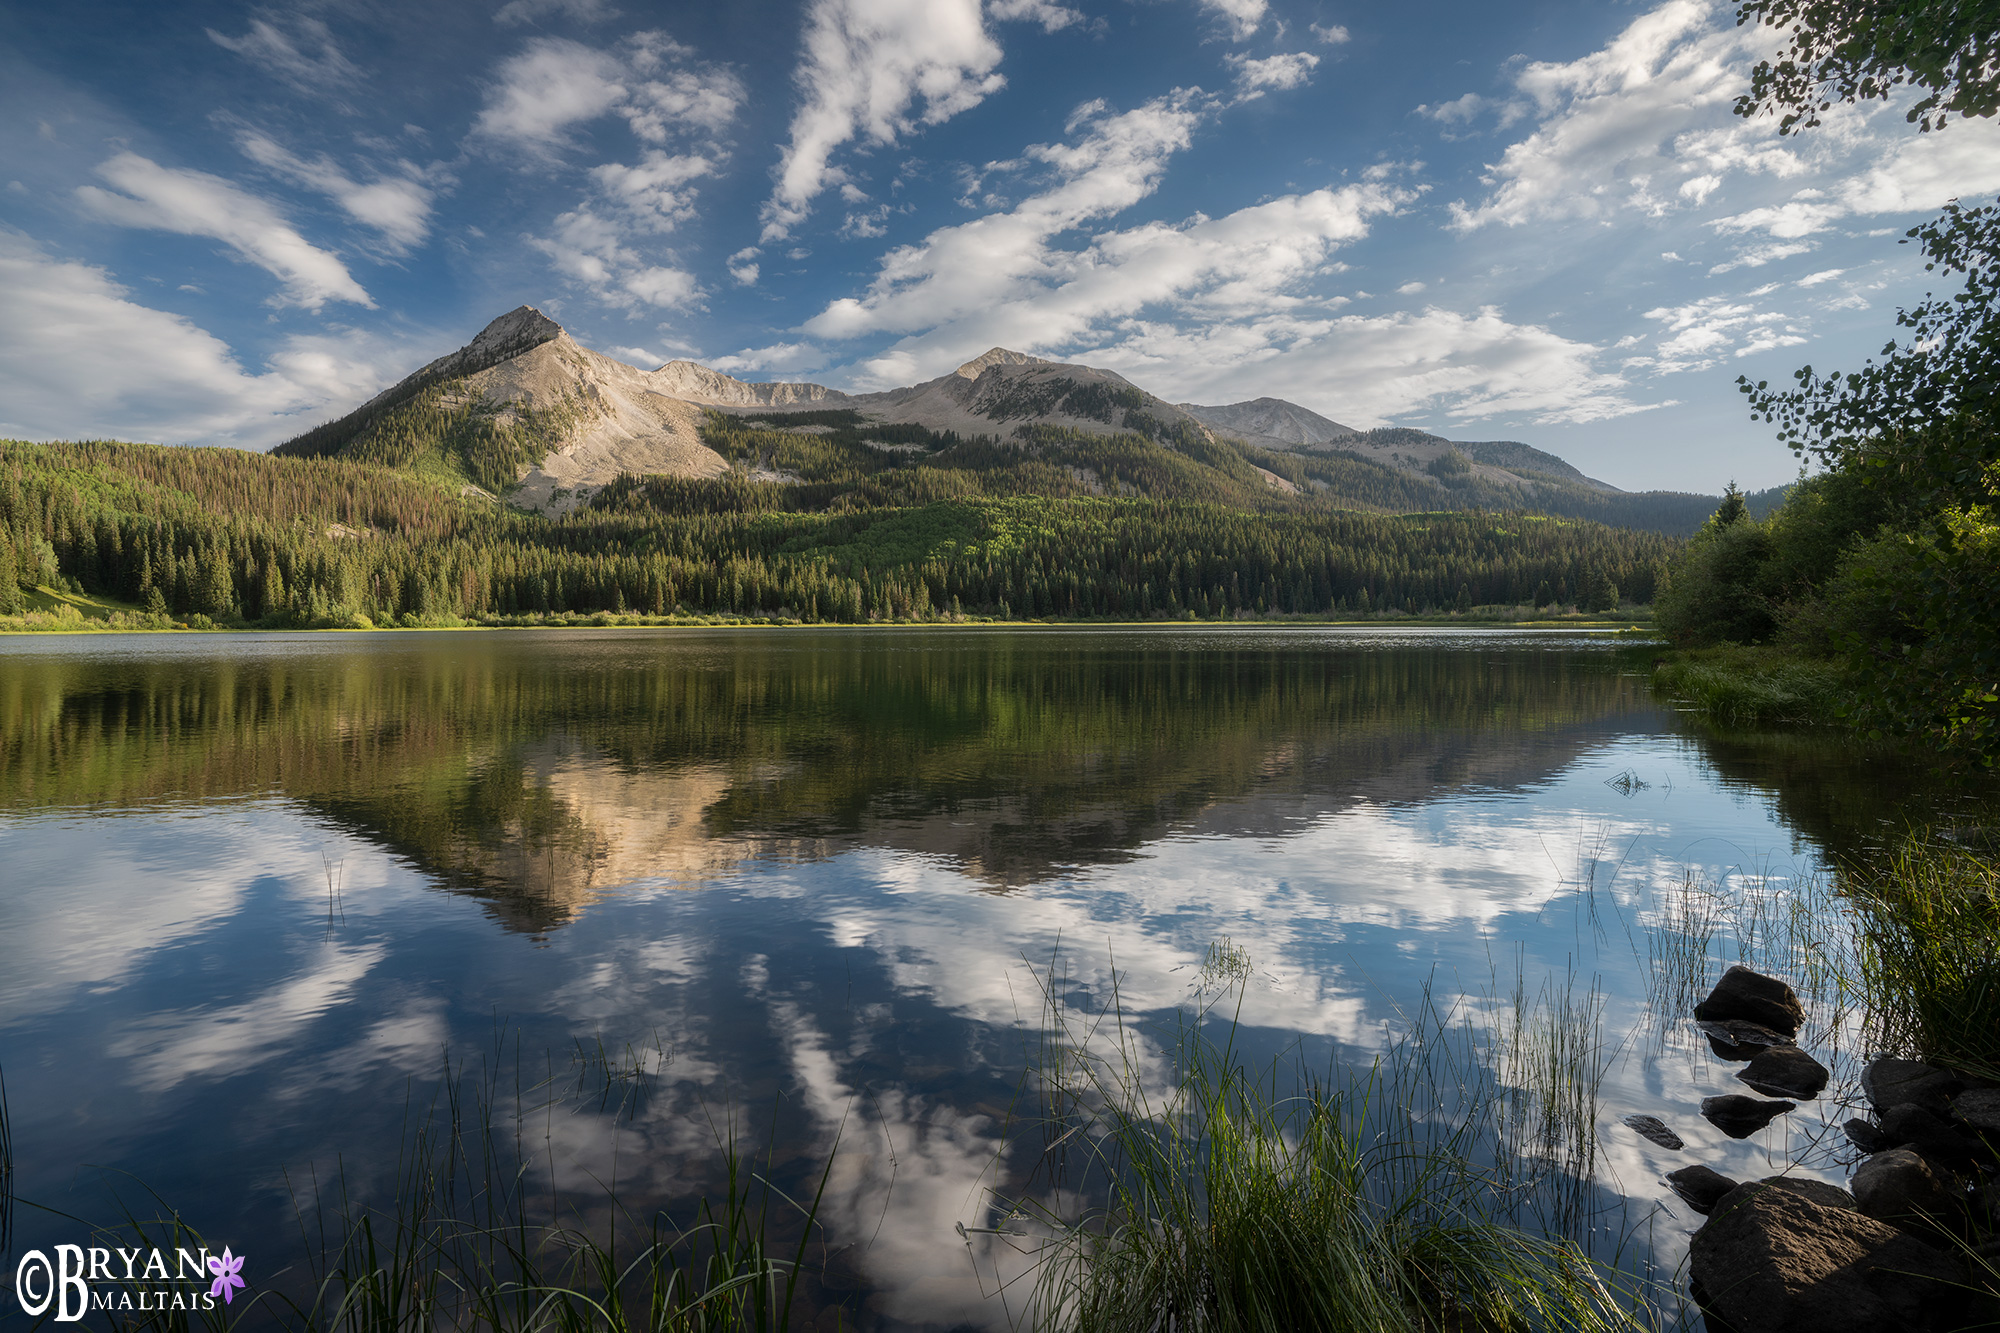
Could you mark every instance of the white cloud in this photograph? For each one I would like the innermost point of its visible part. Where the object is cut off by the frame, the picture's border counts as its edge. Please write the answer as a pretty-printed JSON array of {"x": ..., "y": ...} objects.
[
  {"x": 743, "y": 266},
  {"x": 297, "y": 50},
  {"x": 554, "y": 85},
  {"x": 1333, "y": 34},
  {"x": 779, "y": 356},
  {"x": 1619, "y": 119},
  {"x": 592, "y": 249},
  {"x": 1700, "y": 332},
  {"x": 1409, "y": 288},
  {"x": 80, "y": 359},
  {"x": 517, "y": 12},
  {"x": 1273, "y": 73},
  {"x": 876, "y": 70},
  {"x": 195, "y": 203},
  {"x": 1244, "y": 17},
  {"x": 1372, "y": 370},
  {"x": 1815, "y": 279},
  {"x": 1052, "y": 17},
  {"x": 667, "y": 97},
  {"x": 956, "y": 271},
  {"x": 1917, "y": 175},
  {"x": 398, "y": 206},
  {"x": 644, "y": 358},
  {"x": 1756, "y": 256}
]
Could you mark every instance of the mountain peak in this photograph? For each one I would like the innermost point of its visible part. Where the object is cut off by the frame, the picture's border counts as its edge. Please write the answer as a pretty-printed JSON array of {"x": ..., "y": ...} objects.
[{"x": 998, "y": 356}]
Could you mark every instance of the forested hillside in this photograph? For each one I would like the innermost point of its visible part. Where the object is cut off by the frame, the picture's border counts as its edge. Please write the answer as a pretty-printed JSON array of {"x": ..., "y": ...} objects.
[{"x": 240, "y": 537}]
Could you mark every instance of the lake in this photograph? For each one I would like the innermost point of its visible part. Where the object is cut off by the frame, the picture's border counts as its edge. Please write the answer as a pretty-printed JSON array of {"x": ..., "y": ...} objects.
[{"x": 259, "y": 889}]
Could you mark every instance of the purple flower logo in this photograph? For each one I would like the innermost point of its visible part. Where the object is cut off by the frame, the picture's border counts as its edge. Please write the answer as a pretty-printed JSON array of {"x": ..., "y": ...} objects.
[{"x": 226, "y": 1268}]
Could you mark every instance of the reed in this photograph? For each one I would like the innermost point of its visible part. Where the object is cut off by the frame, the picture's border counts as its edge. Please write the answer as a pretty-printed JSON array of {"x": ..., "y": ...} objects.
[
  {"x": 463, "y": 1239},
  {"x": 1929, "y": 951},
  {"x": 1239, "y": 1200}
]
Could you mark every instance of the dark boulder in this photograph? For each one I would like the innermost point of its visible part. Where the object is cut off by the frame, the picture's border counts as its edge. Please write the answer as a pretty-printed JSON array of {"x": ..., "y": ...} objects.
[
  {"x": 1653, "y": 1128},
  {"x": 1755, "y": 998},
  {"x": 1740, "y": 1032},
  {"x": 1785, "y": 1071},
  {"x": 1700, "y": 1187},
  {"x": 1903, "y": 1189},
  {"x": 1931, "y": 1134},
  {"x": 1774, "y": 1258},
  {"x": 1864, "y": 1135},
  {"x": 1738, "y": 1116},
  {"x": 1888, "y": 1082},
  {"x": 1979, "y": 1109}
]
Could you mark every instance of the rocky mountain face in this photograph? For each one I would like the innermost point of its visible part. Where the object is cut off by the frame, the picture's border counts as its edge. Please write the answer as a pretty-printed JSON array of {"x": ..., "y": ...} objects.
[{"x": 554, "y": 421}]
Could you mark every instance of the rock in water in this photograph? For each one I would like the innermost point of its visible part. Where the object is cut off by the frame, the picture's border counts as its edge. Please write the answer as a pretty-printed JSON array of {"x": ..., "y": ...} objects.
[
  {"x": 1785, "y": 1071},
  {"x": 1979, "y": 1109},
  {"x": 1864, "y": 1135},
  {"x": 1700, "y": 1187},
  {"x": 1776, "y": 1258},
  {"x": 1755, "y": 998},
  {"x": 1740, "y": 1032},
  {"x": 1930, "y": 1134},
  {"x": 1901, "y": 1188},
  {"x": 1738, "y": 1116},
  {"x": 1652, "y": 1127},
  {"x": 1889, "y": 1082}
]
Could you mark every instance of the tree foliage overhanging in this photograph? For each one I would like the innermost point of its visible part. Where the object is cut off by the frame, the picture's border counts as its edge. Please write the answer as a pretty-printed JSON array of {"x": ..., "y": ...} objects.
[
  {"x": 1888, "y": 560},
  {"x": 1844, "y": 51}
]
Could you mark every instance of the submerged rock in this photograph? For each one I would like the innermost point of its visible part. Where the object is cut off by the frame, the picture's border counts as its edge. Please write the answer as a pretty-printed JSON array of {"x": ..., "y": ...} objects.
[
  {"x": 1785, "y": 1071},
  {"x": 1653, "y": 1128},
  {"x": 1738, "y": 1116},
  {"x": 1754, "y": 998},
  {"x": 1777, "y": 1256},
  {"x": 1700, "y": 1187},
  {"x": 1888, "y": 1082},
  {"x": 1903, "y": 1189}
]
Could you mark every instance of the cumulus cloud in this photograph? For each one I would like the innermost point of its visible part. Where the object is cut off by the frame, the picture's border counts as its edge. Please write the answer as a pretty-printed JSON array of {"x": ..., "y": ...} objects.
[
  {"x": 591, "y": 248},
  {"x": 778, "y": 356},
  {"x": 1052, "y": 17},
  {"x": 1244, "y": 17},
  {"x": 676, "y": 105},
  {"x": 554, "y": 85},
  {"x": 743, "y": 265},
  {"x": 1372, "y": 370},
  {"x": 1116, "y": 160},
  {"x": 298, "y": 50},
  {"x": 1699, "y": 333},
  {"x": 79, "y": 359},
  {"x": 1918, "y": 175},
  {"x": 397, "y": 205},
  {"x": 195, "y": 203},
  {"x": 1756, "y": 256},
  {"x": 1333, "y": 34},
  {"x": 877, "y": 70},
  {"x": 1276, "y": 73},
  {"x": 1614, "y": 121}
]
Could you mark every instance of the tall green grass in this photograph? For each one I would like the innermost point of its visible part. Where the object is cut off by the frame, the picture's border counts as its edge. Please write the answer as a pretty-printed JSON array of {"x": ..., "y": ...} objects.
[
  {"x": 1929, "y": 917},
  {"x": 1743, "y": 687},
  {"x": 463, "y": 1239},
  {"x": 1397, "y": 1201}
]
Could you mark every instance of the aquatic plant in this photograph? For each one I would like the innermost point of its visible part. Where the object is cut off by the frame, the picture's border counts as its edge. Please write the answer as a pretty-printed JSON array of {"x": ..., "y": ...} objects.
[{"x": 1230, "y": 1199}]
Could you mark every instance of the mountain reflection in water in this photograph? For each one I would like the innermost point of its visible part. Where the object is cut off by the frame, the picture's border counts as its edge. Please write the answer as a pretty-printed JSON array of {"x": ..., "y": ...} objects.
[{"x": 237, "y": 936}]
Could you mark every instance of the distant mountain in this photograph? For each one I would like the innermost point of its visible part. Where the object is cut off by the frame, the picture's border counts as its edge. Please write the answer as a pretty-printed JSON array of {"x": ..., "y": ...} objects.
[{"x": 524, "y": 410}]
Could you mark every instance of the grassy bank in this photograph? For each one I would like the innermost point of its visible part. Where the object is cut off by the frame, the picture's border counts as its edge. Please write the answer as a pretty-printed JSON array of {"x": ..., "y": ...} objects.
[{"x": 1739, "y": 686}]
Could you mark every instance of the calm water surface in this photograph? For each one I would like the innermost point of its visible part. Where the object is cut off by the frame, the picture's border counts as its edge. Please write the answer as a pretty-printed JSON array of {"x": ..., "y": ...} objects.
[{"x": 254, "y": 888}]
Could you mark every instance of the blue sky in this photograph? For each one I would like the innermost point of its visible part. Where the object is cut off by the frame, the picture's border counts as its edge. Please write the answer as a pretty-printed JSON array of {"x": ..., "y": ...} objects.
[{"x": 223, "y": 223}]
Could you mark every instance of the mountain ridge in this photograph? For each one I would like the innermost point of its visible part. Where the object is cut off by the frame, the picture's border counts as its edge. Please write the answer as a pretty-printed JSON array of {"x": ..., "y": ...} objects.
[{"x": 523, "y": 409}]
